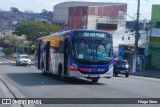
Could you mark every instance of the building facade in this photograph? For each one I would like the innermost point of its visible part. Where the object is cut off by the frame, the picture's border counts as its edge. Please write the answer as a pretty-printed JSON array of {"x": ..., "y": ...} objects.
[
  {"x": 86, "y": 15},
  {"x": 154, "y": 46}
]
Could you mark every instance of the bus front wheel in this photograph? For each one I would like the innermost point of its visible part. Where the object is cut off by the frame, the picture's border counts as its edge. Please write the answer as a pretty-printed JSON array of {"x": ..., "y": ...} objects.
[
  {"x": 95, "y": 80},
  {"x": 61, "y": 73}
]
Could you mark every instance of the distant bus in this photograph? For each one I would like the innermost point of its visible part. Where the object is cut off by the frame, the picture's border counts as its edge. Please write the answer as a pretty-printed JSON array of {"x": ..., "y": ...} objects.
[{"x": 76, "y": 53}]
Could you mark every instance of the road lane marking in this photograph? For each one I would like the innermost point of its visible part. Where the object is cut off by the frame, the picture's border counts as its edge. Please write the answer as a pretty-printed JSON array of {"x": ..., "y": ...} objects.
[{"x": 6, "y": 62}]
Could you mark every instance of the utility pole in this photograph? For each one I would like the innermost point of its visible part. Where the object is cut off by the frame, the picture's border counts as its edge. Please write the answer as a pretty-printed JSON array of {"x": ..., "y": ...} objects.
[{"x": 134, "y": 67}]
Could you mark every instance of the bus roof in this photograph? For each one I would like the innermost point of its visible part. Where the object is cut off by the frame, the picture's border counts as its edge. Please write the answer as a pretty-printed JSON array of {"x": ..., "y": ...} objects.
[
  {"x": 54, "y": 34},
  {"x": 62, "y": 32}
]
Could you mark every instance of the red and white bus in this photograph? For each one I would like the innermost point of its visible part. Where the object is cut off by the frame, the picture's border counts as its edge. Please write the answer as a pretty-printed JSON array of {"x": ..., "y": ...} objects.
[{"x": 76, "y": 53}]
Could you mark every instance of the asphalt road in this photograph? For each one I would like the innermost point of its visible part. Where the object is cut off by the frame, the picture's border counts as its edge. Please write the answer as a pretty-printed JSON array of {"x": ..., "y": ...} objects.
[{"x": 30, "y": 82}]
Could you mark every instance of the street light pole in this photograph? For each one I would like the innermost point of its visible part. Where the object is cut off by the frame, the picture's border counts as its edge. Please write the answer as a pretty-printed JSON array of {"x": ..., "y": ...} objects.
[{"x": 134, "y": 67}]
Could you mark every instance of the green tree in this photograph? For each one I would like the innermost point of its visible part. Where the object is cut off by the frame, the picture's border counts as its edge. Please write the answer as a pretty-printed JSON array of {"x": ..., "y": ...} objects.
[
  {"x": 7, "y": 51},
  {"x": 47, "y": 15},
  {"x": 34, "y": 29},
  {"x": 44, "y": 11},
  {"x": 14, "y": 9},
  {"x": 12, "y": 41}
]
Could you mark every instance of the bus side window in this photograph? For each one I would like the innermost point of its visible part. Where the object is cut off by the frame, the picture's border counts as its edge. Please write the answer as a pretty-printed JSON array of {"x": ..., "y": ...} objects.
[
  {"x": 61, "y": 47},
  {"x": 54, "y": 50}
]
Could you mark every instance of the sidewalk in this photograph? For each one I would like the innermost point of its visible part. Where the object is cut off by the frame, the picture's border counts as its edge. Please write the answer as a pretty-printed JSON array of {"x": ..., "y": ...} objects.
[
  {"x": 3, "y": 96},
  {"x": 1, "y": 93},
  {"x": 4, "y": 93},
  {"x": 148, "y": 73},
  {"x": 8, "y": 90}
]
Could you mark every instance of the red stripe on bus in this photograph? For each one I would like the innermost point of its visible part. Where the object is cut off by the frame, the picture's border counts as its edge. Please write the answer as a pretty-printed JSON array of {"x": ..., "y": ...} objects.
[
  {"x": 72, "y": 69},
  {"x": 85, "y": 69}
]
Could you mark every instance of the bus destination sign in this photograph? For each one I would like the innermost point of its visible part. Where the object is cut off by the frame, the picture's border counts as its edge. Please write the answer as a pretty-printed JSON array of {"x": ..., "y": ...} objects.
[{"x": 93, "y": 34}]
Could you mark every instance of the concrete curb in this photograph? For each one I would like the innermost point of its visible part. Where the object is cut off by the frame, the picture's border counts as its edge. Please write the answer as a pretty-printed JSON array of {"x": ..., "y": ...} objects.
[
  {"x": 149, "y": 74},
  {"x": 14, "y": 91},
  {"x": 7, "y": 92}
]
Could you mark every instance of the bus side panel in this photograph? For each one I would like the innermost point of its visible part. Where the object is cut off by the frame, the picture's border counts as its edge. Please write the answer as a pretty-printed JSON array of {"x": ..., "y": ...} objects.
[
  {"x": 52, "y": 63},
  {"x": 39, "y": 56},
  {"x": 56, "y": 59}
]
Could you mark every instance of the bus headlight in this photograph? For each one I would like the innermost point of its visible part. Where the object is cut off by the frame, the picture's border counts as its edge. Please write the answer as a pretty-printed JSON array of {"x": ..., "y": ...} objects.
[{"x": 127, "y": 66}]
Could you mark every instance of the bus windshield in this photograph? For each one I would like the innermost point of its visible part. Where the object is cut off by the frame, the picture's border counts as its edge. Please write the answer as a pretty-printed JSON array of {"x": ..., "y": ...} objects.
[{"x": 92, "y": 48}]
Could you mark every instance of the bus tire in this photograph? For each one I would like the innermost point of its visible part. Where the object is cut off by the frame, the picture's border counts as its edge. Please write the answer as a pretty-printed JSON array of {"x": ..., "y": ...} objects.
[
  {"x": 59, "y": 70},
  {"x": 95, "y": 80},
  {"x": 116, "y": 74},
  {"x": 127, "y": 75},
  {"x": 61, "y": 73}
]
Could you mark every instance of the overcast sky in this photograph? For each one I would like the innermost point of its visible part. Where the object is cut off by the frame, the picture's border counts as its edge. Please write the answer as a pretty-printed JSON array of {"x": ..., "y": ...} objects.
[{"x": 38, "y": 5}]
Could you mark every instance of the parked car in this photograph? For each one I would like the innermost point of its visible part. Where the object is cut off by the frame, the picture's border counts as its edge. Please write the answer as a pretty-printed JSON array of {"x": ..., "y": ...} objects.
[
  {"x": 121, "y": 67},
  {"x": 23, "y": 60}
]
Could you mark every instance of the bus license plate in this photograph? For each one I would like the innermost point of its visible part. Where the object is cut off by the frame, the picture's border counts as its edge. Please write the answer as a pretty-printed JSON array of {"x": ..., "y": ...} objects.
[{"x": 93, "y": 75}]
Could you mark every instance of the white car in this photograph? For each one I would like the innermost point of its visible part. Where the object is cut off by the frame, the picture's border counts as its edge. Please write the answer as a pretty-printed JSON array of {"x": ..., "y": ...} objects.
[{"x": 23, "y": 60}]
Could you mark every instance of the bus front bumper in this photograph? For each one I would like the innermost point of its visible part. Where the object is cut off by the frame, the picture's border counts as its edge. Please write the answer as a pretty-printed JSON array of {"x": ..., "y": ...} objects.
[{"x": 108, "y": 74}]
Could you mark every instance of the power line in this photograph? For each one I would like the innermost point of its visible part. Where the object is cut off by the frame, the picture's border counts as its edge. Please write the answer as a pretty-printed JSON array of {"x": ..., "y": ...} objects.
[{"x": 136, "y": 38}]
